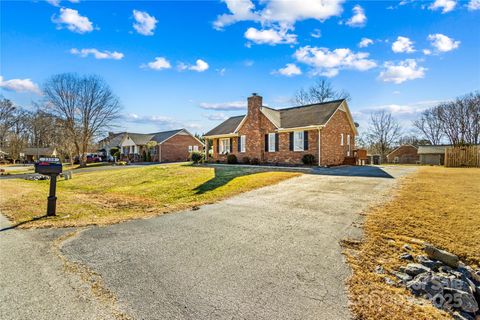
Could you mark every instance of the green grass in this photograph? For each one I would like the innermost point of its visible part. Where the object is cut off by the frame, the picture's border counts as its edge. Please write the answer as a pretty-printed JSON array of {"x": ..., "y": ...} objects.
[{"x": 111, "y": 196}]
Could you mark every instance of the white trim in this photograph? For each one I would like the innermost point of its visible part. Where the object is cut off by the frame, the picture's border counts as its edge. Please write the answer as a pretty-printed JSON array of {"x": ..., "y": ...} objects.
[
  {"x": 243, "y": 143},
  {"x": 240, "y": 124},
  {"x": 261, "y": 110},
  {"x": 219, "y": 136},
  {"x": 307, "y": 128},
  {"x": 349, "y": 116},
  {"x": 341, "y": 140},
  {"x": 319, "y": 147},
  {"x": 271, "y": 148},
  {"x": 303, "y": 141}
]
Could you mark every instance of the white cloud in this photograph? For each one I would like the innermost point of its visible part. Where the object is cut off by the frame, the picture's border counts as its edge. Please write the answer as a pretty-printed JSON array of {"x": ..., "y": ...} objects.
[
  {"x": 445, "y": 5},
  {"x": 97, "y": 53},
  {"x": 20, "y": 85},
  {"x": 283, "y": 12},
  {"x": 442, "y": 43},
  {"x": 216, "y": 116},
  {"x": 317, "y": 33},
  {"x": 241, "y": 10},
  {"x": 401, "y": 72},
  {"x": 473, "y": 5},
  {"x": 224, "y": 106},
  {"x": 287, "y": 11},
  {"x": 156, "y": 122},
  {"x": 270, "y": 36},
  {"x": 73, "y": 21},
  {"x": 248, "y": 63},
  {"x": 55, "y": 3},
  {"x": 144, "y": 23},
  {"x": 359, "y": 19},
  {"x": 329, "y": 63},
  {"x": 199, "y": 66},
  {"x": 158, "y": 64},
  {"x": 403, "y": 44},
  {"x": 289, "y": 70},
  {"x": 427, "y": 52},
  {"x": 365, "y": 42}
]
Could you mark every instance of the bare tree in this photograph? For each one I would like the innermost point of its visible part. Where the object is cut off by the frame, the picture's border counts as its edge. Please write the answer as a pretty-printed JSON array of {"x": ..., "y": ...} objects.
[
  {"x": 85, "y": 104},
  {"x": 430, "y": 126},
  {"x": 7, "y": 119},
  {"x": 383, "y": 132},
  {"x": 17, "y": 136},
  {"x": 320, "y": 91}
]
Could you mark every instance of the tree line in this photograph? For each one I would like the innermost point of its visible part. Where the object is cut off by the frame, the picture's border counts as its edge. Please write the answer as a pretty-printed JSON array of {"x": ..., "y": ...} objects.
[
  {"x": 455, "y": 122},
  {"x": 74, "y": 112}
]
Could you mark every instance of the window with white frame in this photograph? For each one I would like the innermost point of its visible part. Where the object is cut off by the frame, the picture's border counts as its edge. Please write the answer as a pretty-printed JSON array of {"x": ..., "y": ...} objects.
[
  {"x": 195, "y": 148},
  {"x": 190, "y": 148},
  {"x": 242, "y": 143},
  {"x": 341, "y": 139},
  {"x": 224, "y": 146},
  {"x": 271, "y": 142},
  {"x": 298, "y": 141},
  {"x": 348, "y": 139}
]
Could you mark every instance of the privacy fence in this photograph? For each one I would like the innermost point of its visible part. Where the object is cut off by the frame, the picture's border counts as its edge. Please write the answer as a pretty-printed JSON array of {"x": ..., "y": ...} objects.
[{"x": 462, "y": 156}]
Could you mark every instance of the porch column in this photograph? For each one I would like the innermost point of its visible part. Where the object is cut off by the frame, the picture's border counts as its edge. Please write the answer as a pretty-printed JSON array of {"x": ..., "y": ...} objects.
[{"x": 206, "y": 149}]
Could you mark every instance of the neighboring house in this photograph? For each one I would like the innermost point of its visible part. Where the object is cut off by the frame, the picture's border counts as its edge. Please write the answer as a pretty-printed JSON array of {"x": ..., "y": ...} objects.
[
  {"x": 31, "y": 154},
  {"x": 171, "y": 146},
  {"x": 432, "y": 154},
  {"x": 406, "y": 154},
  {"x": 112, "y": 141},
  {"x": 284, "y": 136}
]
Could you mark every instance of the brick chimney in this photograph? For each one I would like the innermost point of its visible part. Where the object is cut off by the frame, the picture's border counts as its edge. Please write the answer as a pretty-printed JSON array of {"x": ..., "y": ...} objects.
[{"x": 254, "y": 105}]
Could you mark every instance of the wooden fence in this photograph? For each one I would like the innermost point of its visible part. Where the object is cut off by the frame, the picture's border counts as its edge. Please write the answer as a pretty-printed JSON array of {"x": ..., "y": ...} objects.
[{"x": 462, "y": 156}]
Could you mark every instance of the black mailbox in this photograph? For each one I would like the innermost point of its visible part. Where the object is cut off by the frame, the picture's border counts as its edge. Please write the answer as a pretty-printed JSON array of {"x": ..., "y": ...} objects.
[
  {"x": 51, "y": 167},
  {"x": 48, "y": 166}
]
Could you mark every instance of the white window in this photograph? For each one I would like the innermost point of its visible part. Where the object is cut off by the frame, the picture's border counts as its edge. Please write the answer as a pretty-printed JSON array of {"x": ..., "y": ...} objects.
[
  {"x": 190, "y": 148},
  {"x": 242, "y": 143},
  {"x": 298, "y": 141},
  {"x": 195, "y": 148},
  {"x": 271, "y": 142},
  {"x": 348, "y": 139},
  {"x": 224, "y": 146},
  {"x": 341, "y": 139}
]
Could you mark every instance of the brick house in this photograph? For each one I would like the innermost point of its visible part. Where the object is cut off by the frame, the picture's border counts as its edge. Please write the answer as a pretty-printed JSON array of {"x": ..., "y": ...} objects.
[
  {"x": 405, "y": 154},
  {"x": 324, "y": 130},
  {"x": 169, "y": 146}
]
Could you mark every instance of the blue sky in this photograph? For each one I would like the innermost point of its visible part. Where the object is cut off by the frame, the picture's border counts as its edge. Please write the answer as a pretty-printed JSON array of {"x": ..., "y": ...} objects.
[{"x": 193, "y": 63}]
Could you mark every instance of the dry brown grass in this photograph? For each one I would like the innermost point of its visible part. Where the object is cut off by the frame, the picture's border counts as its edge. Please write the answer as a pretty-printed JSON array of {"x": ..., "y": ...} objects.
[
  {"x": 112, "y": 196},
  {"x": 436, "y": 205}
]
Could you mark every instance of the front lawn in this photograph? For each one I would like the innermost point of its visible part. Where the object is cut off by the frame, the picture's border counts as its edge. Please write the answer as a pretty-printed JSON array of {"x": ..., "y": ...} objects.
[
  {"x": 437, "y": 205},
  {"x": 111, "y": 196}
]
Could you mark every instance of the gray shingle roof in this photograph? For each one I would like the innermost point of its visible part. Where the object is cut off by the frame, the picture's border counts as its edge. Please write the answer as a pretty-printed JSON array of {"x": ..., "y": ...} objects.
[
  {"x": 142, "y": 138},
  {"x": 301, "y": 116},
  {"x": 226, "y": 127},
  {"x": 159, "y": 137}
]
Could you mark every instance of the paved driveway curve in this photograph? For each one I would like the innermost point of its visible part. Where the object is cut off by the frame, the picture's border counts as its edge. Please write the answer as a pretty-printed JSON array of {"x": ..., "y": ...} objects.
[{"x": 271, "y": 253}]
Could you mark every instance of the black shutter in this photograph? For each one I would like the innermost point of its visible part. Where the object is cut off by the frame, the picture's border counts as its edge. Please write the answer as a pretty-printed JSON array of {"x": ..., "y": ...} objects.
[
  {"x": 291, "y": 141},
  {"x": 305, "y": 140},
  {"x": 218, "y": 146},
  {"x": 231, "y": 145},
  {"x": 266, "y": 143},
  {"x": 239, "y": 141},
  {"x": 276, "y": 142}
]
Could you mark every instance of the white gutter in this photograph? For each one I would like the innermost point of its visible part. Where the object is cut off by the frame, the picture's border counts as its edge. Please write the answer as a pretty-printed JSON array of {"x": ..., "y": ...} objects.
[{"x": 300, "y": 128}]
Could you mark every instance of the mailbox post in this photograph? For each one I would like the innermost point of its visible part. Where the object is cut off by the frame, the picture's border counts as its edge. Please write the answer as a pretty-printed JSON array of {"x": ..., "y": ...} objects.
[{"x": 51, "y": 167}]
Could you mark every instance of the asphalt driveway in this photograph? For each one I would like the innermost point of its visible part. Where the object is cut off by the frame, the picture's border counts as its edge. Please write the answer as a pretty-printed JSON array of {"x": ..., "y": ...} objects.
[{"x": 272, "y": 253}]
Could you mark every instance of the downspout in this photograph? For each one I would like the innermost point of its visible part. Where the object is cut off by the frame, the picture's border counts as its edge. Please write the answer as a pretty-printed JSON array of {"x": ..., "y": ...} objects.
[{"x": 319, "y": 146}]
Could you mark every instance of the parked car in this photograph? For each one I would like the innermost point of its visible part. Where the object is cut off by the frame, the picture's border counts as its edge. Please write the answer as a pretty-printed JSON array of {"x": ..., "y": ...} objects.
[{"x": 91, "y": 158}]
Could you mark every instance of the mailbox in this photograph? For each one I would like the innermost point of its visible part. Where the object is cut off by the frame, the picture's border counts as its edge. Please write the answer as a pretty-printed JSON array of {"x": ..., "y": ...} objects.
[
  {"x": 48, "y": 166},
  {"x": 51, "y": 167}
]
